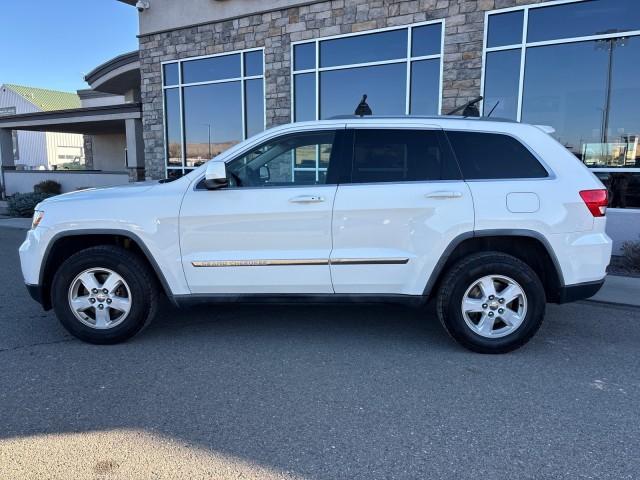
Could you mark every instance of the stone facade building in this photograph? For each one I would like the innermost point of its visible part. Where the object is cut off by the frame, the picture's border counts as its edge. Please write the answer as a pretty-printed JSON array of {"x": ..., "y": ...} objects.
[{"x": 215, "y": 72}]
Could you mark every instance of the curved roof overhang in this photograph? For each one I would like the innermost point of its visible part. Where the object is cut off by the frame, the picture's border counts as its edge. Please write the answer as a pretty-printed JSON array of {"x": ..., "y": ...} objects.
[{"x": 118, "y": 76}]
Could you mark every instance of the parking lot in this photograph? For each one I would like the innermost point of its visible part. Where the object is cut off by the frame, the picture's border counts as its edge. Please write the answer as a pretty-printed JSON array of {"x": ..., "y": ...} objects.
[{"x": 315, "y": 392}]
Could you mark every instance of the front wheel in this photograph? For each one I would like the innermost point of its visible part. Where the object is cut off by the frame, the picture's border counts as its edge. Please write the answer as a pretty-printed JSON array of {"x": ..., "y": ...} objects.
[
  {"x": 491, "y": 302},
  {"x": 104, "y": 294}
]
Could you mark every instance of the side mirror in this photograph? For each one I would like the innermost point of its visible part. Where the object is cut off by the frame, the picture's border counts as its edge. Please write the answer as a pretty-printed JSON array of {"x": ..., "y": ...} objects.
[
  {"x": 265, "y": 173},
  {"x": 216, "y": 175}
]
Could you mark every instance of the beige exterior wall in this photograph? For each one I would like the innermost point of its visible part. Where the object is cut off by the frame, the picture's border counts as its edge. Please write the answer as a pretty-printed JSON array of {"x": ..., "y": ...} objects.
[
  {"x": 109, "y": 152},
  {"x": 170, "y": 14}
]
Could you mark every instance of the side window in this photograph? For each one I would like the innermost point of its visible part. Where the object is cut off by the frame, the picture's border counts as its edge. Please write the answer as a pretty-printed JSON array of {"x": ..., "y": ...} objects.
[
  {"x": 401, "y": 155},
  {"x": 494, "y": 156},
  {"x": 298, "y": 159}
]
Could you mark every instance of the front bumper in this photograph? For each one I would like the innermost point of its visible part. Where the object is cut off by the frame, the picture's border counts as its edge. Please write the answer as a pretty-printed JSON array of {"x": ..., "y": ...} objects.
[
  {"x": 35, "y": 291},
  {"x": 579, "y": 291}
]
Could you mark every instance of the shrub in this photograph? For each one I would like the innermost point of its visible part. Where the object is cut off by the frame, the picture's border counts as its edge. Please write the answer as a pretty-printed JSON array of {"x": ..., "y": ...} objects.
[
  {"x": 48, "y": 186},
  {"x": 22, "y": 204},
  {"x": 631, "y": 254}
]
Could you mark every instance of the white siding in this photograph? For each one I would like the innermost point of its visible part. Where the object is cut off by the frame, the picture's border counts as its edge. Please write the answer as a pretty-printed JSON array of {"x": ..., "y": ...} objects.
[
  {"x": 64, "y": 144},
  {"x": 32, "y": 147}
]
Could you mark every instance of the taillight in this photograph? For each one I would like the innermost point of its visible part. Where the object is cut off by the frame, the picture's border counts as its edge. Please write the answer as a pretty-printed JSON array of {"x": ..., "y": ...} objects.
[{"x": 596, "y": 201}]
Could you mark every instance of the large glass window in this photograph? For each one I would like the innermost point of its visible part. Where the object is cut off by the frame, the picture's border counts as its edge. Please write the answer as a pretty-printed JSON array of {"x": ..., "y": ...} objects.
[
  {"x": 211, "y": 104},
  {"x": 398, "y": 69},
  {"x": 578, "y": 72},
  {"x": 300, "y": 159}
]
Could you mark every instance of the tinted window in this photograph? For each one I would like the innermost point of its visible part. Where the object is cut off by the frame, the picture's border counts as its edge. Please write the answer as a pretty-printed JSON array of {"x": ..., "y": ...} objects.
[
  {"x": 401, "y": 155},
  {"x": 304, "y": 56},
  {"x": 385, "y": 86},
  {"x": 505, "y": 29},
  {"x": 212, "y": 120},
  {"x": 501, "y": 82},
  {"x": 599, "y": 128},
  {"x": 305, "y": 97},
  {"x": 170, "y": 74},
  {"x": 582, "y": 18},
  {"x": 300, "y": 159},
  {"x": 254, "y": 108},
  {"x": 493, "y": 155},
  {"x": 253, "y": 63},
  {"x": 426, "y": 40},
  {"x": 172, "y": 124},
  {"x": 372, "y": 47},
  {"x": 209, "y": 69},
  {"x": 425, "y": 87}
]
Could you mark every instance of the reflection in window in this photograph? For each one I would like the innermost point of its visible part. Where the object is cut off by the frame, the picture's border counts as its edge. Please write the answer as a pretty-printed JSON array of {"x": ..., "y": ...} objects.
[
  {"x": 385, "y": 85},
  {"x": 505, "y": 29},
  {"x": 388, "y": 57},
  {"x": 371, "y": 47},
  {"x": 171, "y": 74},
  {"x": 292, "y": 160},
  {"x": 502, "y": 78},
  {"x": 580, "y": 19},
  {"x": 304, "y": 56},
  {"x": 594, "y": 110},
  {"x": 213, "y": 120},
  {"x": 172, "y": 114},
  {"x": 254, "y": 106},
  {"x": 426, "y": 40},
  {"x": 209, "y": 69},
  {"x": 623, "y": 187},
  {"x": 425, "y": 85},
  {"x": 253, "y": 63},
  {"x": 305, "y": 95},
  {"x": 210, "y": 117}
]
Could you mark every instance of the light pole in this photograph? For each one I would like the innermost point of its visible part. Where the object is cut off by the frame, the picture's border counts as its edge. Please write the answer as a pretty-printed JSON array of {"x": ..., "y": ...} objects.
[{"x": 208, "y": 125}]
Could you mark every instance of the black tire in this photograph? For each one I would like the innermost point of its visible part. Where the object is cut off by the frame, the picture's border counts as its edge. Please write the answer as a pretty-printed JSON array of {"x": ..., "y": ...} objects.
[
  {"x": 142, "y": 285},
  {"x": 463, "y": 274}
]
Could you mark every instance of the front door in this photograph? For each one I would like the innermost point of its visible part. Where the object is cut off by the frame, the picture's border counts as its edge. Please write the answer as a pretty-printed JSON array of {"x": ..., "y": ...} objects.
[
  {"x": 403, "y": 205},
  {"x": 270, "y": 230}
]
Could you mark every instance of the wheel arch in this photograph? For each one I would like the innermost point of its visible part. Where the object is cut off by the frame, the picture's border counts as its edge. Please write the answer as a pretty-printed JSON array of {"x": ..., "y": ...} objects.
[
  {"x": 527, "y": 245},
  {"x": 64, "y": 244}
]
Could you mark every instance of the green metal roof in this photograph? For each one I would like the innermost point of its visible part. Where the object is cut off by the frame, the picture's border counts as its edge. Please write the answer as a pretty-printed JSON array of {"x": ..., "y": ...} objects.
[{"x": 47, "y": 100}]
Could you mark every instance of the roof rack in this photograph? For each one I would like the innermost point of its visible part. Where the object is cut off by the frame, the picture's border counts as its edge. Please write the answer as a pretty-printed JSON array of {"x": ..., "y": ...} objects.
[{"x": 421, "y": 117}]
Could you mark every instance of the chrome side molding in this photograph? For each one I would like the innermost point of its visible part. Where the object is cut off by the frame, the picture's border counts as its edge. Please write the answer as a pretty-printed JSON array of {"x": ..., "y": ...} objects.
[{"x": 293, "y": 262}]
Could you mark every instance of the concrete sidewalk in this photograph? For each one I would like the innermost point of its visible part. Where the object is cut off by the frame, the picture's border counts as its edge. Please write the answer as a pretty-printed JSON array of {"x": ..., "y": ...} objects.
[
  {"x": 12, "y": 222},
  {"x": 617, "y": 289}
]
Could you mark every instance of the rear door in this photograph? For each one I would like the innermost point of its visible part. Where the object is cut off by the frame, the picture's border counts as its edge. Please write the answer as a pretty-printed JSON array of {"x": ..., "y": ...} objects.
[{"x": 401, "y": 206}]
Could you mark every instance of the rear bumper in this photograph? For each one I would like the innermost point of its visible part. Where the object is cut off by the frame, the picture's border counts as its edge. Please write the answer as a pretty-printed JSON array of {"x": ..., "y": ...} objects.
[{"x": 579, "y": 291}]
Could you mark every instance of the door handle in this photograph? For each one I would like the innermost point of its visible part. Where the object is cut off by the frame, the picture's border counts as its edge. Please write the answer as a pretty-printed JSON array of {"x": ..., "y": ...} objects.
[
  {"x": 444, "y": 194},
  {"x": 307, "y": 199}
]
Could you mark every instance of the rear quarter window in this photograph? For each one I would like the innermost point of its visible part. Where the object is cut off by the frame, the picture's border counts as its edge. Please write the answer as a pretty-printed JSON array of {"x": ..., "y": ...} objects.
[{"x": 484, "y": 156}]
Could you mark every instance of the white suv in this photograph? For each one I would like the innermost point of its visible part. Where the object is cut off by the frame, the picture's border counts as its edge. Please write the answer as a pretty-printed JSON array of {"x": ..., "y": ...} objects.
[{"x": 491, "y": 219}]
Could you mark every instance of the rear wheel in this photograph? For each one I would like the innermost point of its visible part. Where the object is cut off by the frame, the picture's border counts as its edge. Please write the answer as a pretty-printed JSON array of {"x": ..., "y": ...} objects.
[
  {"x": 491, "y": 302},
  {"x": 104, "y": 294}
]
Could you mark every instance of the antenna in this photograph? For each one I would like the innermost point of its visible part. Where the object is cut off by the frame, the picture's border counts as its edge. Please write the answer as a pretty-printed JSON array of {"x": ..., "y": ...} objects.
[{"x": 494, "y": 107}]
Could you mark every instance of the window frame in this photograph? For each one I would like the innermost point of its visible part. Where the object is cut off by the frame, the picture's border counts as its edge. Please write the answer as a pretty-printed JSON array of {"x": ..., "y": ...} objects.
[
  {"x": 180, "y": 86},
  {"x": 524, "y": 45},
  {"x": 408, "y": 59}
]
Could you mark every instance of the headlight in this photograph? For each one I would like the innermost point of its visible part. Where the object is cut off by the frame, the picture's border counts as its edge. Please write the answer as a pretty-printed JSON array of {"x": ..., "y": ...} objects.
[{"x": 38, "y": 215}]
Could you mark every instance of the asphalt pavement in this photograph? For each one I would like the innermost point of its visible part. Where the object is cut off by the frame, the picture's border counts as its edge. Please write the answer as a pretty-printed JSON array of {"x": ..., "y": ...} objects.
[{"x": 315, "y": 392}]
